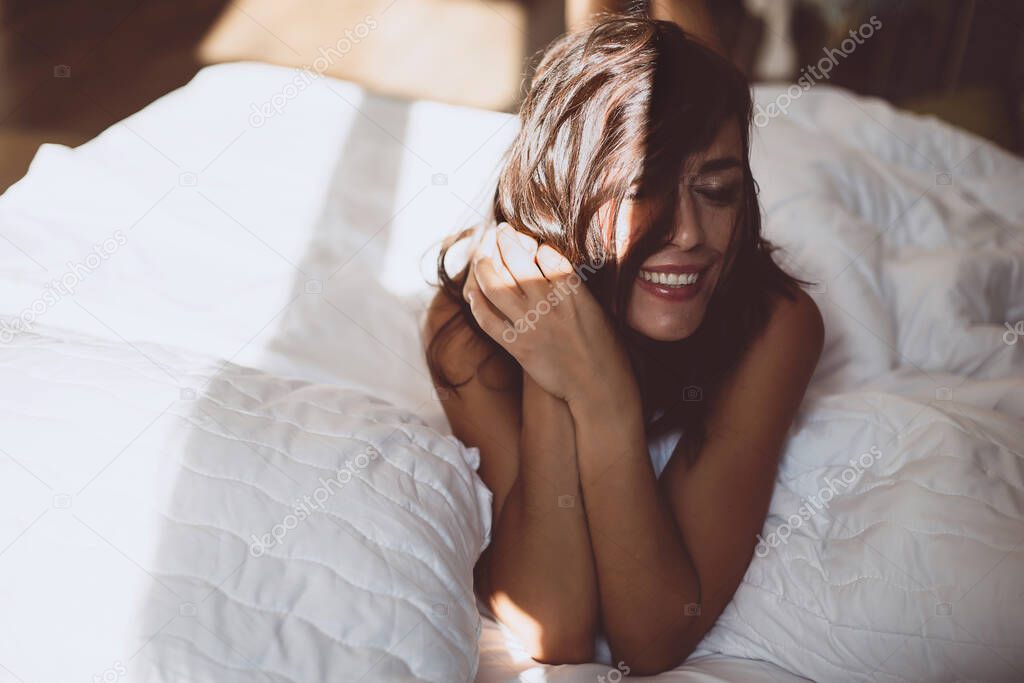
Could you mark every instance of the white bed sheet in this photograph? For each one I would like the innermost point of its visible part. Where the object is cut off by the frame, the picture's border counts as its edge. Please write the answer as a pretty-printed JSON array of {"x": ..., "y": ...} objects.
[{"x": 274, "y": 246}]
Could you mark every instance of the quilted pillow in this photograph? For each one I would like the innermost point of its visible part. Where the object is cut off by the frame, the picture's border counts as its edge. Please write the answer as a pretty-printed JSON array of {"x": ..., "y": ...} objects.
[{"x": 205, "y": 522}]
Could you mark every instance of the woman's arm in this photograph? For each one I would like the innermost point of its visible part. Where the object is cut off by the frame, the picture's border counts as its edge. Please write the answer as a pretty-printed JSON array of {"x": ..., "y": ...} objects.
[
  {"x": 670, "y": 553},
  {"x": 540, "y": 577},
  {"x": 538, "y": 573}
]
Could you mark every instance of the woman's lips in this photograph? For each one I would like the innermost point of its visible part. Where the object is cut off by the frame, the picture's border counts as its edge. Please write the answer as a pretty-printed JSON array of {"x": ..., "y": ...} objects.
[{"x": 672, "y": 282}]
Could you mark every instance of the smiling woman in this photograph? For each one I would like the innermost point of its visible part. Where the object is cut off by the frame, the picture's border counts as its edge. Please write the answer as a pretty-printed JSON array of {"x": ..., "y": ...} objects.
[
  {"x": 692, "y": 262},
  {"x": 630, "y": 174}
]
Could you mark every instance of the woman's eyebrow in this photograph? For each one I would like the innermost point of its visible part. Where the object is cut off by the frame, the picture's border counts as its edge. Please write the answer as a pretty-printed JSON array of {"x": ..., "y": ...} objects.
[{"x": 720, "y": 164}]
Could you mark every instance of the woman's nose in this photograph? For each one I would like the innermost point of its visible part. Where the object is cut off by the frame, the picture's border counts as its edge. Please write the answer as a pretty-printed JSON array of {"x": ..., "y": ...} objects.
[{"x": 689, "y": 233}]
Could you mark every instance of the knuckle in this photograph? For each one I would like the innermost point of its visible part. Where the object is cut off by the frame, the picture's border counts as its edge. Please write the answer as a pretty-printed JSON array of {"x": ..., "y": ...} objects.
[{"x": 485, "y": 285}]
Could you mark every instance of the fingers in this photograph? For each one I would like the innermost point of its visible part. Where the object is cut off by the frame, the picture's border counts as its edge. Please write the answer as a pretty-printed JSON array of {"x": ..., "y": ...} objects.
[
  {"x": 552, "y": 264},
  {"x": 506, "y": 298},
  {"x": 509, "y": 278},
  {"x": 487, "y": 315},
  {"x": 519, "y": 255},
  {"x": 489, "y": 249}
]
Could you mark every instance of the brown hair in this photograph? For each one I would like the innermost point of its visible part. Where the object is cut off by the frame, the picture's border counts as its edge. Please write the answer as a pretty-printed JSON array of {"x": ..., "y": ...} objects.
[{"x": 632, "y": 97}]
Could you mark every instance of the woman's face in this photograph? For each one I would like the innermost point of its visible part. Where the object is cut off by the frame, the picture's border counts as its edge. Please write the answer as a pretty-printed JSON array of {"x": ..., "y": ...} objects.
[{"x": 671, "y": 292}]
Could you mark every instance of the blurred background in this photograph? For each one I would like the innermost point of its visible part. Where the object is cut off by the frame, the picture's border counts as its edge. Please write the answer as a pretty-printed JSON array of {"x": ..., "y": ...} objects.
[{"x": 71, "y": 68}]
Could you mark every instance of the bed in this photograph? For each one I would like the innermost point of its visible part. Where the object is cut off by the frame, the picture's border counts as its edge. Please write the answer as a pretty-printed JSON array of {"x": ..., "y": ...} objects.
[{"x": 239, "y": 269}]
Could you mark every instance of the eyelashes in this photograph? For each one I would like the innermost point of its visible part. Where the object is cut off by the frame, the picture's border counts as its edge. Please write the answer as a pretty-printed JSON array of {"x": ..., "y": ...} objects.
[
  {"x": 720, "y": 195},
  {"x": 717, "y": 193}
]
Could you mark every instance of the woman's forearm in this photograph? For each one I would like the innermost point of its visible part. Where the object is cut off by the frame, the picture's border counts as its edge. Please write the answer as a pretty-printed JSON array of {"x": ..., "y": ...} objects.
[
  {"x": 541, "y": 579},
  {"x": 647, "y": 583}
]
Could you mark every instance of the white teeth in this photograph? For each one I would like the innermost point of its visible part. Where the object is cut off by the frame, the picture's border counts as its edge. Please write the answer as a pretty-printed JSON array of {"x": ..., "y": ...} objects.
[{"x": 669, "y": 279}]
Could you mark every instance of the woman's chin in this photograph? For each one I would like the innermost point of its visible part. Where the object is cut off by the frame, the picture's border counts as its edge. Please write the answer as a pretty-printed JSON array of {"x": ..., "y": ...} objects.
[
  {"x": 664, "y": 330},
  {"x": 666, "y": 316}
]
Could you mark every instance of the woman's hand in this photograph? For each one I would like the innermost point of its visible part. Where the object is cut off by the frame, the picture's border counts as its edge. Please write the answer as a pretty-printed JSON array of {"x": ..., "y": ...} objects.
[{"x": 534, "y": 304}]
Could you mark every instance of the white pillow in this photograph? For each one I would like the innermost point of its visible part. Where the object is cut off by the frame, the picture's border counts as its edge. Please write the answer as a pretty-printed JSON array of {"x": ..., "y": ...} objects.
[{"x": 172, "y": 519}]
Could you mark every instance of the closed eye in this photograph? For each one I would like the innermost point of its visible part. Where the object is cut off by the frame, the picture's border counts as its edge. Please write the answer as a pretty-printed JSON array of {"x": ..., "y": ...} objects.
[{"x": 720, "y": 194}]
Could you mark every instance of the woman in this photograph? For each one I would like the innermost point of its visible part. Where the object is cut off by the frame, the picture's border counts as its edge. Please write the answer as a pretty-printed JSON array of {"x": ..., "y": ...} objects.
[{"x": 624, "y": 313}]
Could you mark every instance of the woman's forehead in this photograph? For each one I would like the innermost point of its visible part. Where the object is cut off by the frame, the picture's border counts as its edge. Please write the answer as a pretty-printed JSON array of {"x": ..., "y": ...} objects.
[{"x": 726, "y": 143}]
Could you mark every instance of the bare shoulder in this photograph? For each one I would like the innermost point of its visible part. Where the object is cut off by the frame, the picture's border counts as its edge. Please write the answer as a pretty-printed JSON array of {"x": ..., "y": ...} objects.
[
  {"x": 464, "y": 355},
  {"x": 441, "y": 309},
  {"x": 797, "y": 325},
  {"x": 778, "y": 363},
  {"x": 461, "y": 352}
]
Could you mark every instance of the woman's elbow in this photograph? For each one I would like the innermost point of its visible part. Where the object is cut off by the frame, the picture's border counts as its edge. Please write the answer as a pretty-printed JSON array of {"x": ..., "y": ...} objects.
[
  {"x": 652, "y": 664},
  {"x": 657, "y": 653},
  {"x": 557, "y": 636},
  {"x": 552, "y": 641}
]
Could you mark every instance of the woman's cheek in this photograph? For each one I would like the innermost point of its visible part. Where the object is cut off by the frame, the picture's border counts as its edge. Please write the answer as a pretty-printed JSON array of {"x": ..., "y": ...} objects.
[{"x": 723, "y": 223}]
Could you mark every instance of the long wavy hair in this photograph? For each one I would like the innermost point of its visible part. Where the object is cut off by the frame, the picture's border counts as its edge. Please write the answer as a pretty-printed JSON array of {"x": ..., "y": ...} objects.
[{"x": 631, "y": 97}]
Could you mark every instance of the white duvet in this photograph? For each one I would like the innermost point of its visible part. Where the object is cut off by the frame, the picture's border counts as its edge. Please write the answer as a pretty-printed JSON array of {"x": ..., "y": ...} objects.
[{"x": 251, "y": 303}]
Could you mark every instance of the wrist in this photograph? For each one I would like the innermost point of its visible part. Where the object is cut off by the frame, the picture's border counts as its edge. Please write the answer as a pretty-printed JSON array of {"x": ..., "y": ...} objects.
[{"x": 606, "y": 398}]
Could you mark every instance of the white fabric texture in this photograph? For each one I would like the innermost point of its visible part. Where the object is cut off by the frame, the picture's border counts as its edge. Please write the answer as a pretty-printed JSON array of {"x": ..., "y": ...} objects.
[
  {"x": 299, "y": 245},
  {"x": 205, "y": 522}
]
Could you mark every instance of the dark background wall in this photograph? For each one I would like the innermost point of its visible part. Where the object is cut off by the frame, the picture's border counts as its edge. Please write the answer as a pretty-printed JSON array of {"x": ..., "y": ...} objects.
[{"x": 70, "y": 68}]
